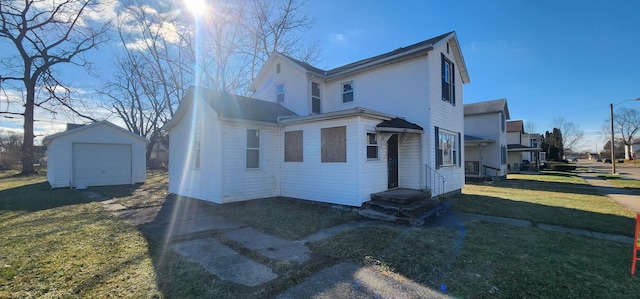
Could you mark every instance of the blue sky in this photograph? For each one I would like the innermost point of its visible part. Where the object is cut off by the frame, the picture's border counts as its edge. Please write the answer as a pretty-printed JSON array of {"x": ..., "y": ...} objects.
[{"x": 547, "y": 58}]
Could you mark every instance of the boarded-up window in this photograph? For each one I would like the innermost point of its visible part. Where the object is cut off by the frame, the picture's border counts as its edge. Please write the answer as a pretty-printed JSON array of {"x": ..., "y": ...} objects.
[
  {"x": 293, "y": 150},
  {"x": 334, "y": 144}
]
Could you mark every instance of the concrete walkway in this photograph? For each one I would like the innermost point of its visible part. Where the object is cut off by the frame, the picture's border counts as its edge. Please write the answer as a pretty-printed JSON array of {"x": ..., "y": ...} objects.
[
  {"x": 190, "y": 229},
  {"x": 628, "y": 198}
]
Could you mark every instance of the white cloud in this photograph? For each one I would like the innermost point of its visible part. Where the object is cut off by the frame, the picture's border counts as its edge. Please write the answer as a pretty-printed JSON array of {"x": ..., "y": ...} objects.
[{"x": 337, "y": 37}]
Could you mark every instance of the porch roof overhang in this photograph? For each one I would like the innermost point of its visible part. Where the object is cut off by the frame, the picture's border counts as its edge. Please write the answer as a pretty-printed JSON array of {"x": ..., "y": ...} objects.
[
  {"x": 522, "y": 148},
  {"x": 476, "y": 141},
  {"x": 358, "y": 111},
  {"x": 398, "y": 125}
]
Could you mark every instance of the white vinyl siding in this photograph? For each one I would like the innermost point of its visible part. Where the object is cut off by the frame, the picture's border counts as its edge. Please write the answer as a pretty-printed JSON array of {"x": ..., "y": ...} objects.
[{"x": 60, "y": 155}]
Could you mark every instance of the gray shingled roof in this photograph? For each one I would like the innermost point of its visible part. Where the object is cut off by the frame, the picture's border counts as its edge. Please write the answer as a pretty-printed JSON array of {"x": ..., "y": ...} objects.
[
  {"x": 398, "y": 123},
  {"x": 354, "y": 65},
  {"x": 238, "y": 107},
  {"x": 493, "y": 106}
]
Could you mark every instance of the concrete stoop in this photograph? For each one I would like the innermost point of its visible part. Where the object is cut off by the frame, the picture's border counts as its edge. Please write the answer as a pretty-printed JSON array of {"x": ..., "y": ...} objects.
[{"x": 403, "y": 206}]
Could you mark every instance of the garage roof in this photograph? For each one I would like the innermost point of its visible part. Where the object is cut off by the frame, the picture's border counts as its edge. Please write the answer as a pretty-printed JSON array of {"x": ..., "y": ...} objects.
[{"x": 50, "y": 138}]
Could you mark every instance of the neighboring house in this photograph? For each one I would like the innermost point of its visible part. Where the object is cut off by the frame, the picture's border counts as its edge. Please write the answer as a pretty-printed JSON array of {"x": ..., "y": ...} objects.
[
  {"x": 98, "y": 154},
  {"x": 520, "y": 148},
  {"x": 336, "y": 136},
  {"x": 485, "y": 139}
]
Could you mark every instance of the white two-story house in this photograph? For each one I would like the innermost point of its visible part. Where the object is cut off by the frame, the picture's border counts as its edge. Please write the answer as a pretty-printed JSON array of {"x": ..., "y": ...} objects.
[
  {"x": 485, "y": 139},
  {"x": 390, "y": 121},
  {"x": 523, "y": 148}
]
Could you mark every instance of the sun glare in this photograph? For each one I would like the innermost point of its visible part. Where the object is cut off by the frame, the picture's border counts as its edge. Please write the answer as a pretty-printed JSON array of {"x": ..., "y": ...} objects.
[{"x": 196, "y": 7}]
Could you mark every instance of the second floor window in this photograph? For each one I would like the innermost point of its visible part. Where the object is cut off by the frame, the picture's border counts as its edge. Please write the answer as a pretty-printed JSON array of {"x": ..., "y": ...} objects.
[
  {"x": 280, "y": 93},
  {"x": 448, "y": 81},
  {"x": 315, "y": 97},
  {"x": 347, "y": 92}
]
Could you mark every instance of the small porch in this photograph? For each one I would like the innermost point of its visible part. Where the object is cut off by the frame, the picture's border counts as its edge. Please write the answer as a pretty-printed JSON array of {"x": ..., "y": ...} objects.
[
  {"x": 516, "y": 163},
  {"x": 404, "y": 206}
]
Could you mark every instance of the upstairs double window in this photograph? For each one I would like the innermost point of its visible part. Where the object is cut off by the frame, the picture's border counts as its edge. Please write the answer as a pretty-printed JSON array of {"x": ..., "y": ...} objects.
[{"x": 448, "y": 80}]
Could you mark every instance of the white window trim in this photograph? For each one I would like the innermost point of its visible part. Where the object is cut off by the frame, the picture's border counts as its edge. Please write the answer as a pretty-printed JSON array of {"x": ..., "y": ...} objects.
[
  {"x": 197, "y": 146},
  {"x": 453, "y": 151},
  {"x": 377, "y": 145},
  {"x": 284, "y": 92},
  {"x": 247, "y": 148},
  {"x": 353, "y": 98},
  {"x": 319, "y": 97}
]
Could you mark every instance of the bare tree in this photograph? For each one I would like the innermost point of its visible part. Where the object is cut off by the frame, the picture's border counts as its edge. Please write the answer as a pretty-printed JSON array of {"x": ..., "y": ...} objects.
[
  {"x": 162, "y": 53},
  {"x": 45, "y": 34},
  {"x": 154, "y": 67},
  {"x": 572, "y": 135},
  {"x": 278, "y": 26},
  {"x": 530, "y": 127},
  {"x": 626, "y": 124}
]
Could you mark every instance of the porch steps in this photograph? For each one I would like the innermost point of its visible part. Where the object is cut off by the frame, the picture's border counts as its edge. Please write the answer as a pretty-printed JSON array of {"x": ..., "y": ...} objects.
[{"x": 403, "y": 206}]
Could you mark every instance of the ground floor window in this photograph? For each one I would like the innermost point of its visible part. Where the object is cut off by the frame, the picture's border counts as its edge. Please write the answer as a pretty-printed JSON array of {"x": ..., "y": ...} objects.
[
  {"x": 333, "y": 144},
  {"x": 293, "y": 147},
  {"x": 372, "y": 146},
  {"x": 447, "y": 147},
  {"x": 253, "y": 149}
]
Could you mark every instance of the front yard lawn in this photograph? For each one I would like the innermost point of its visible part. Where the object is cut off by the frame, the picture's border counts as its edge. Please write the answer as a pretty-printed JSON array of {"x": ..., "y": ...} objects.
[
  {"x": 553, "y": 198},
  {"x": 59, "y": 244}
]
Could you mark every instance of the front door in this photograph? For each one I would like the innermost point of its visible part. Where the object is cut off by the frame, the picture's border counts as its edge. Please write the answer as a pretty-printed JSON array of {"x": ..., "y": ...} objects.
[{"x": 392, "y": 161}]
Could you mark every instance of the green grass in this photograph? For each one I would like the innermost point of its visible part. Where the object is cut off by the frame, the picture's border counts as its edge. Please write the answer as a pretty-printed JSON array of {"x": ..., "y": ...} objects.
[
  {"x": 552, "y": 198},
  {"x": 494, "y": 261},
  {"x": 59, "y": 244},
  {"x": 625, "y": 183}
]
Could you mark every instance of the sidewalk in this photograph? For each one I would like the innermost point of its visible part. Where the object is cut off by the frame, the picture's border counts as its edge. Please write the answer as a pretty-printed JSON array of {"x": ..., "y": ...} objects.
[{"x": 625, "y": 197}]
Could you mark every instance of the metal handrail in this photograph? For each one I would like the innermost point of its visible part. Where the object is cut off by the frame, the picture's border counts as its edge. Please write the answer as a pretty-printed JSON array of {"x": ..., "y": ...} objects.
[{"x": 435, "y": 181}]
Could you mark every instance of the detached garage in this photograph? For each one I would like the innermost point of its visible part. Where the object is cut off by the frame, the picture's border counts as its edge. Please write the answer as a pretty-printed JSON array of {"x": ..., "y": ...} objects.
[{"x": 98, "y": 154}]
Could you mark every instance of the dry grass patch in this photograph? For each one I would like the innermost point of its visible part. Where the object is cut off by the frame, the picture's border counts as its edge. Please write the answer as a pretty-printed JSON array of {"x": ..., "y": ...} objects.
[{"x": 288, "y": 218}]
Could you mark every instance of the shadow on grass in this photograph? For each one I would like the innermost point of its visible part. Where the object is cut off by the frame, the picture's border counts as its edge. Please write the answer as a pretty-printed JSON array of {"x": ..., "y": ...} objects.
[
  {"x": 525, "y": 184},
  {"x": 538, "y": 213},
  {"x": 39, "y": 196}
]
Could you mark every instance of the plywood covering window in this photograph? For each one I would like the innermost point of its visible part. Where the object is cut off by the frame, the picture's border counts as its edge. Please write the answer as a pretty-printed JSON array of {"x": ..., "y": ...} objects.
[
  {"x": 253, "y": 149},
  {"x": 334, "y": 144},
  {"x": 293, "y": 149}
]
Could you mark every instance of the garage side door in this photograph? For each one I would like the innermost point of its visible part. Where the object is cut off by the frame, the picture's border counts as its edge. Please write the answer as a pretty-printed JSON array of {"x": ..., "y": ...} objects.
[{"x": 99, "y": 164}]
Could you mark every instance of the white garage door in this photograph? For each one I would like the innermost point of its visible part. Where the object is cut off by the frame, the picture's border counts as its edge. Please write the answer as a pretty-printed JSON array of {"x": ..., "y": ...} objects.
[{"x": 99, "y": 164}]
